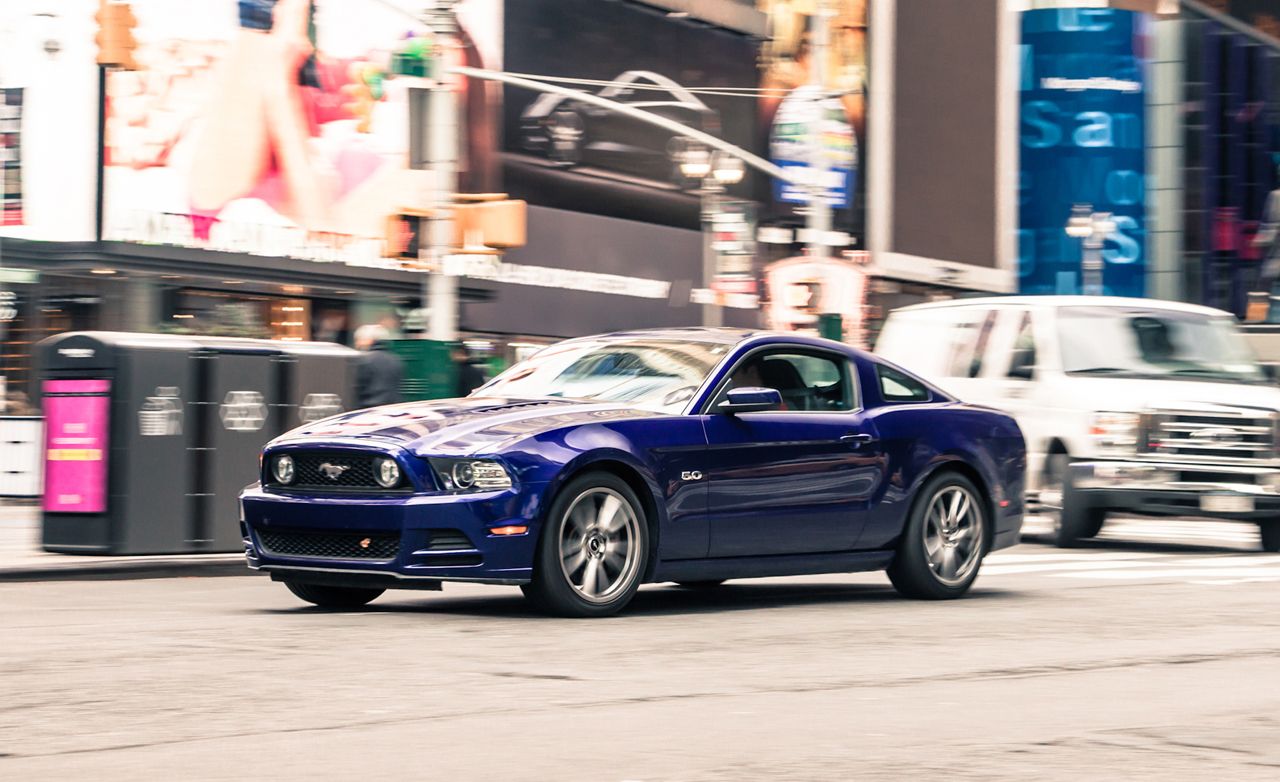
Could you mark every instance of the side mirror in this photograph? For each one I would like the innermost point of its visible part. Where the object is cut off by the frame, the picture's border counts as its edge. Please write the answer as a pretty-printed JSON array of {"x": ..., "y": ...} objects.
[
  {"x": 1022, "y": 372},
  {"x": 750, "y": 400}
]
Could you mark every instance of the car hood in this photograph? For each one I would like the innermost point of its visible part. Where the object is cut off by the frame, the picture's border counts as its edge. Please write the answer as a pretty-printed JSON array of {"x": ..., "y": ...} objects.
[{"x": 465, "y": 426}]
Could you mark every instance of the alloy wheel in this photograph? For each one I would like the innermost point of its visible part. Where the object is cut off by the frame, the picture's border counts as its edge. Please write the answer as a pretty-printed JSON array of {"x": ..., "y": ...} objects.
[
  {"x": 600, "y": 544},
  {"x": 953, "y": 534}
]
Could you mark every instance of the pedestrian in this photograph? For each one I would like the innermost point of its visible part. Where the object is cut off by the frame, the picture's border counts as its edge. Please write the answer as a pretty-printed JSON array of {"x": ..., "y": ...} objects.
[
  {"x": 1268, "y": 239},
  {"x": 470, "y": 377},
  {"x": 378, "y": 371}
]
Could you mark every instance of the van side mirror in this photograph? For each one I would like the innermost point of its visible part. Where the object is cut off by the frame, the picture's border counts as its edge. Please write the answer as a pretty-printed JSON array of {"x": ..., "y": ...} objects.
[
  {"x": 1022, "y": 366},
  {"x": 750, "y": 400}
]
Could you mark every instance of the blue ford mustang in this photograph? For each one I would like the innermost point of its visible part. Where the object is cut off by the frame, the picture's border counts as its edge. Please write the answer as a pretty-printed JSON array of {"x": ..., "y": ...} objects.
[{"x": 601, "y": 463}]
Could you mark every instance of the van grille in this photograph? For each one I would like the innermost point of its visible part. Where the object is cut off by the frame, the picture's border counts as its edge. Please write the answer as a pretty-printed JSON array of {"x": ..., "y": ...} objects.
[{"x": 1213, "y": 436}]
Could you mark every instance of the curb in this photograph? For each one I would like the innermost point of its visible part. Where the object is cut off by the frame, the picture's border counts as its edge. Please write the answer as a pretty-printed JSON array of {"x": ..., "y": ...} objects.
[{"x": 129, "y": 568}]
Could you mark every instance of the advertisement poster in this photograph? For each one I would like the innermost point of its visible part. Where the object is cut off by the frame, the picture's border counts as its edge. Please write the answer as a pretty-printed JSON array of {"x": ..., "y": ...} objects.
[
  {"x": 281, "y": 127},
  {"x": 1082, "y": 134},
  {"x": 76, "y": 424},
  {"x": 563, "y": 153},
  {"x": 785, "y": 108},
  {"x": 10, "y": 156}
]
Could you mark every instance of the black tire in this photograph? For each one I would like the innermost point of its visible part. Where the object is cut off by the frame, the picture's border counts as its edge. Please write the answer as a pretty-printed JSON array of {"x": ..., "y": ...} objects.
[
  {"x": 913, "y": 571},
  {"x": 553, "y": 588},
  {"x": 333, "y": 597},
  {"x": 1270, "y": 536},
  {"x": 709, "y": 584},
  {"x": 1073, "y": 519}
]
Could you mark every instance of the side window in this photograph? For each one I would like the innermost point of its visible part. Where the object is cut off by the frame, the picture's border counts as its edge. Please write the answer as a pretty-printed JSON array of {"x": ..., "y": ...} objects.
[
  {"x": 900, "y": 387},
  {"x": 808, "y": 382},
  {"x": 1022, "y": 360},
  {"x": 969, "y": 343}
]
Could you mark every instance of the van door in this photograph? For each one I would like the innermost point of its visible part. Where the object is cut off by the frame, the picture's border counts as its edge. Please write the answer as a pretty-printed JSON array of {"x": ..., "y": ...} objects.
[{"x": 1019, "y": 375}]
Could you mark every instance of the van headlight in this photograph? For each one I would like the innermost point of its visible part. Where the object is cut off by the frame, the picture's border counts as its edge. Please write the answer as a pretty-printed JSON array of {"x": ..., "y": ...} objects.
[
  {"x": 1114, "y": 434},
  {"x": 470, "y": 474}
]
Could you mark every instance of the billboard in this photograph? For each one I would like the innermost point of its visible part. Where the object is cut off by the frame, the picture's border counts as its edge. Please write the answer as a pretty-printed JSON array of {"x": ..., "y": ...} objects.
[
  {"x": 11, "y": 156},
  {"x": 281, "y": 127},
  {"x": 561, "y": 152},
  {"x": 786, "y": 103},
  {"x": 1082, "y": 139}
]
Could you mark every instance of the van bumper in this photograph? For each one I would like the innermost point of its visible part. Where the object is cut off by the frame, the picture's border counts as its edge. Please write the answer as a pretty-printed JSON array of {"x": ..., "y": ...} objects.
[{"x": 1228, "y": 493}]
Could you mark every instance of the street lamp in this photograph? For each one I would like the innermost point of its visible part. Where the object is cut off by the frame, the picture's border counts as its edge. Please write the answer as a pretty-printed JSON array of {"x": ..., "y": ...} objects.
[
  {"x": 1092, "y": 228},
  {"x": 713, "y": 171}
]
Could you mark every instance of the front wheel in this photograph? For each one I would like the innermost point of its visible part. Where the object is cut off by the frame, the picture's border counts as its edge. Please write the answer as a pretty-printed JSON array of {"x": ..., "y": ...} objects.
[
  {"x": 1270, "y": 535},
  {"x": 592, "y": 553},
  {"x": 1073, "y": 519},
  {"x": 944, "y": 541},
  {"x": 333, "y": 597}
]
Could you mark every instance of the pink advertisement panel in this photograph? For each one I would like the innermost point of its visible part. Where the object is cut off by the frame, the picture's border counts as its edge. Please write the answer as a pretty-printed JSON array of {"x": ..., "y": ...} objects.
[{"x": 76, "y": 445}]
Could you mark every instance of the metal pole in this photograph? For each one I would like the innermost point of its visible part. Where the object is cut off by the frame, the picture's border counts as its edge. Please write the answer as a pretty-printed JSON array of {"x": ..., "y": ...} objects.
[
  {"x": 710, "y": 190},
  {"x": 440, "y": 294},
  {"x": 818, "y": 214}
]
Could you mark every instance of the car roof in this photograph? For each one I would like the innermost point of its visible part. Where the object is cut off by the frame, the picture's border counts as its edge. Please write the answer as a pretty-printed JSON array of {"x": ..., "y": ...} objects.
[{"x": 1051, "y": 302}]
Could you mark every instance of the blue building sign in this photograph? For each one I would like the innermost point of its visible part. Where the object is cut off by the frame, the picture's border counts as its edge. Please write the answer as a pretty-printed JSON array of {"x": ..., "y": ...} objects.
[{"x": 1082, "y": 135}]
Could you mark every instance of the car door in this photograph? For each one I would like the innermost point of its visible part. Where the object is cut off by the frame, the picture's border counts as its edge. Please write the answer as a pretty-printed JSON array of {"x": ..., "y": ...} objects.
[{"x": 797, "y": 480}]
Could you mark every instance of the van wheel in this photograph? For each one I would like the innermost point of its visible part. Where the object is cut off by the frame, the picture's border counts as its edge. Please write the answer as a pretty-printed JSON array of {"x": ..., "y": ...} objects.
[
  {"x": 1270, "y": 535},
  {"x": 1073, "y": 519}
]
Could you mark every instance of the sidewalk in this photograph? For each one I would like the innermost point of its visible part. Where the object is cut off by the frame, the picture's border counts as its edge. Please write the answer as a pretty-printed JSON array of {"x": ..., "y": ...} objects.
[{"x": 21, "y": 558}]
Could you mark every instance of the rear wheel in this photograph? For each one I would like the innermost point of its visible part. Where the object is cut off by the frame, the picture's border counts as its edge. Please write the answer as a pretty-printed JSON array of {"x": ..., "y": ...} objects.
[
  {"x": 593, "y": 550},
  {"x": 944, "y": 541},
  {"x": 1073, "y": 519},
  {"x": 333, "y": 596},
  {"x": 1270, "y": 535}
]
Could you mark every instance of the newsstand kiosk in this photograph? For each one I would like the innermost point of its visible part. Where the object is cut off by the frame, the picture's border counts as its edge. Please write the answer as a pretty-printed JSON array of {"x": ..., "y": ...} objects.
[{"x": 149, "y": 438}]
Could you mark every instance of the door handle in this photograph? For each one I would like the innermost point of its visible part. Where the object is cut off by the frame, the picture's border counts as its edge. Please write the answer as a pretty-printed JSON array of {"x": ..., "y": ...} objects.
[{"x": 857, "y": 438}]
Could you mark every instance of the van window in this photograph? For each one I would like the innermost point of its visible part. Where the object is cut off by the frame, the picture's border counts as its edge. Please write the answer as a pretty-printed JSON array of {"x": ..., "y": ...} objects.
[
  {"x": 969, "y": 343},
  {"x": 1022, "y": 360}
]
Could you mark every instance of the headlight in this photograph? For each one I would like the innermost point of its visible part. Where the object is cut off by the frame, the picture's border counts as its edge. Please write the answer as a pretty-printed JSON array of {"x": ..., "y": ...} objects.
[
  {"x": 282, "y": 469},
  {"x": 1114, "y": 433},
  {"x": 386, "y": 472},
  {"x": 471, "y": 474}
]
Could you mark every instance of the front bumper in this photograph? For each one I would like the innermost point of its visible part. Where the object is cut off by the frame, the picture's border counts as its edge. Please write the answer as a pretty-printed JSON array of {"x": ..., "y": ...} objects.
[
  {"x": 1230, "y": 493},
  {"x": 425, "y": 527}
]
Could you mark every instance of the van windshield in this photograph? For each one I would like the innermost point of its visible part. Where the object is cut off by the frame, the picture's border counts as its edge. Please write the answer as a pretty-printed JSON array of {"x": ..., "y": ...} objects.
[{"x": 1138, "y": 342}]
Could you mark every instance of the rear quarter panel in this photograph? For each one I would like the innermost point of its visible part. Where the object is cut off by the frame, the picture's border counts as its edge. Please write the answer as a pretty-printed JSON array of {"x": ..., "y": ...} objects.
[{"x": 920, "y": 439}]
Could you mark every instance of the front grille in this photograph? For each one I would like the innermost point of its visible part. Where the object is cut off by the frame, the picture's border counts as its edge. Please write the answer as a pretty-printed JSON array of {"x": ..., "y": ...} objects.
[
  {"x": 330, "y": 545},
  {"x": 1214, "y": 436},
  {"x": 351, "y": 471}
]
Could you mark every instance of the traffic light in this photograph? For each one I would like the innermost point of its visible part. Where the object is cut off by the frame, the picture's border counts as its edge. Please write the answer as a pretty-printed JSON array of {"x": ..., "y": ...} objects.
[{"x": 115, "y": 35}]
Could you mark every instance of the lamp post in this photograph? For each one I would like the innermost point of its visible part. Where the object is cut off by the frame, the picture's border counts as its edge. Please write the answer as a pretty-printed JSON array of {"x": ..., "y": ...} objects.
[
  {"x": 1092, "y": 229},
  {"x": 714, "y": 171}
]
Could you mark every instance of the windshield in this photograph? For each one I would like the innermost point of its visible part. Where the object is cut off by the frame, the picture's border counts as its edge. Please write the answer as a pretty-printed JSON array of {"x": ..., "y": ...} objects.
[
  {"x": 654, "y": 375},
  {"x": 1154, "y": 343}
]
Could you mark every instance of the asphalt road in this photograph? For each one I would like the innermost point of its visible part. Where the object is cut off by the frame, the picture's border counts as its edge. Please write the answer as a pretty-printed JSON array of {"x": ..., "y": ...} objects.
[{"x": 1152, "y": 655}]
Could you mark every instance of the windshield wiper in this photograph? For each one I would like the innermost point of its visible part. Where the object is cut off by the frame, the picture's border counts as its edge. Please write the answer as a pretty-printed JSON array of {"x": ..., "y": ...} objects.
[{"x": 1100, "y": 371}]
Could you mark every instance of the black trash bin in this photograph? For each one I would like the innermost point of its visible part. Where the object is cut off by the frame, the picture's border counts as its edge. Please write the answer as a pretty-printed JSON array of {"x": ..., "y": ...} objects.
[{"x": 150, "y": 437}]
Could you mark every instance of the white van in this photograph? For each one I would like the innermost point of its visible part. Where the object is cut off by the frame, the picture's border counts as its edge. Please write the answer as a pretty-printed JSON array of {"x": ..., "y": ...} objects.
[{"x": 1133, "y": 405}]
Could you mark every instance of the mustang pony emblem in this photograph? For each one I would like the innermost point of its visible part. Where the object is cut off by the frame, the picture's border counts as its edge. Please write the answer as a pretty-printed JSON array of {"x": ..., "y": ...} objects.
[{"x": 334, "y": 471}]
